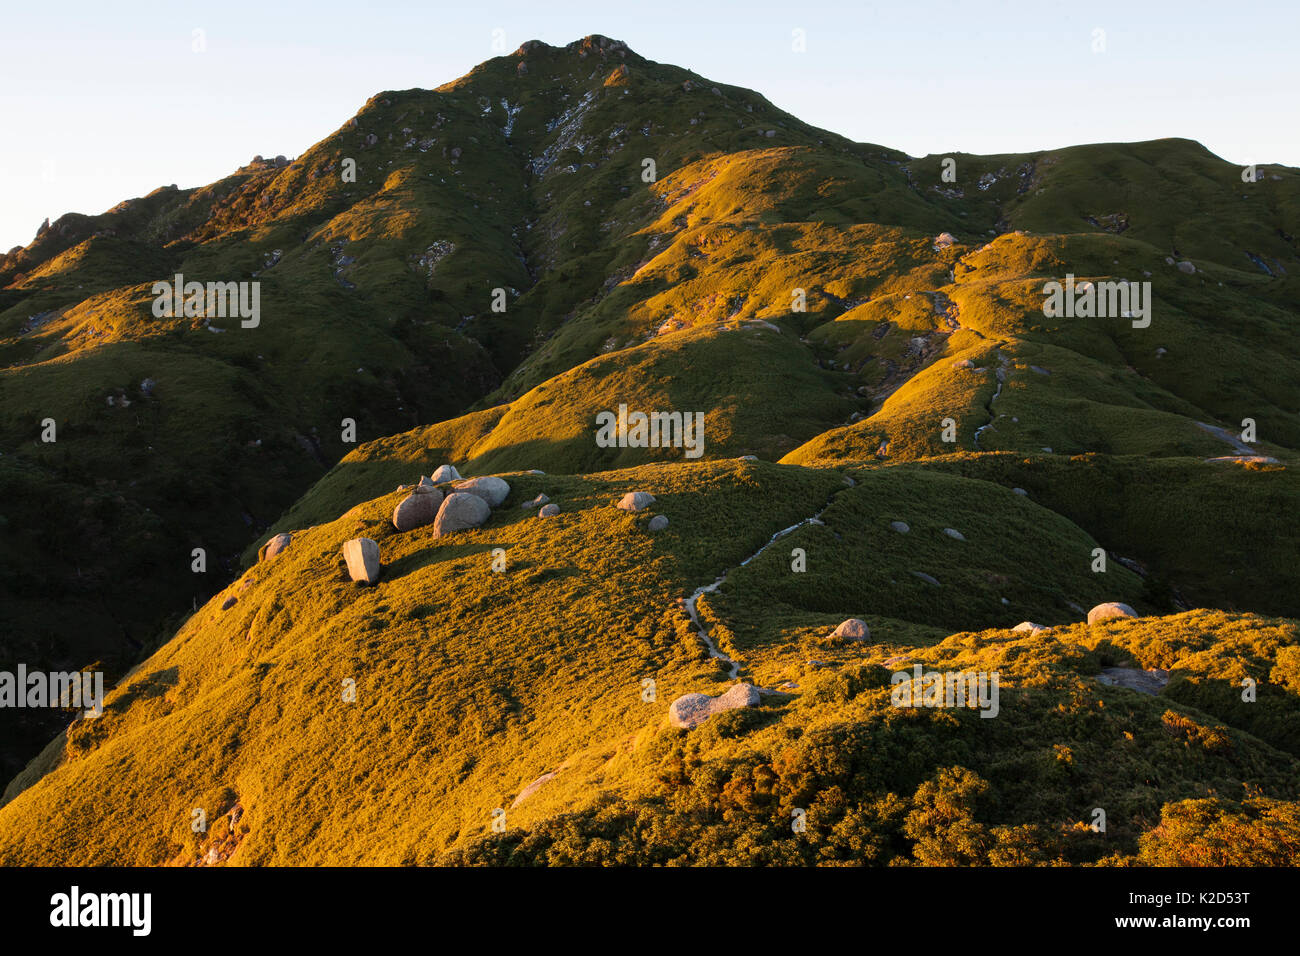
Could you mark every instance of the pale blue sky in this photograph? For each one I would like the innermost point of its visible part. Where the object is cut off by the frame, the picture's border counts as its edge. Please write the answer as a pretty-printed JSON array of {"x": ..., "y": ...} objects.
[{"x": 103, "y": 101}]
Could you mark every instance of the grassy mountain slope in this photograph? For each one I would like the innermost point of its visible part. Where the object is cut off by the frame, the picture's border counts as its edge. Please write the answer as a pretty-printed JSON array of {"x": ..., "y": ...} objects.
[{"x": 472, "y": 683}]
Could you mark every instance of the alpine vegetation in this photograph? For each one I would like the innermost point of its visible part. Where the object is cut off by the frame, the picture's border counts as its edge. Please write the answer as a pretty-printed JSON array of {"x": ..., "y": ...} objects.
[
  {"x": 919, "y": 688},
  {"x": 1102, "y": 299},
  {"x": 651, "y": 430},
  {"x": 215, "y": 300}
]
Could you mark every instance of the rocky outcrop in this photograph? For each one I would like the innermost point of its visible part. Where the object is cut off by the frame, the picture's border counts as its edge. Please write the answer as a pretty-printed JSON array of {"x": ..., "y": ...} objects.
[{"x": 691, "y": 710}]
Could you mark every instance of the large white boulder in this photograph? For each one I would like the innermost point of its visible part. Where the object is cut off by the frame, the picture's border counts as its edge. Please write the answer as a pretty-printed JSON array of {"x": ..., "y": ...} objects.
[
  {"x": 459, "y": 512},
  {"x": 854, "y": 629},
  {"x": 1111, "y": 609},
  {"x": 490, "y": 488},
  {"x": 362, "y": 556}
]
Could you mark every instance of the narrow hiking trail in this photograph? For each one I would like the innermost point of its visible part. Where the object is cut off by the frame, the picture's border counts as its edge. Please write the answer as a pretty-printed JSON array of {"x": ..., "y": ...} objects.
[
  {"x": 1224, "y": 435},
  {"x": 691, "y": 604},
  {"x": 1002, "y": 377},
  {"x": 1244, "y": 451}
]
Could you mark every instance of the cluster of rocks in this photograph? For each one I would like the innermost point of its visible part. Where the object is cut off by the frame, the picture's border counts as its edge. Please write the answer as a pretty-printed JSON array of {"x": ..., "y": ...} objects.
[
  {"x": 635, "y": 501},
  {"x": 1102, "y": 612},
  {"x": 466, "y": 504}
]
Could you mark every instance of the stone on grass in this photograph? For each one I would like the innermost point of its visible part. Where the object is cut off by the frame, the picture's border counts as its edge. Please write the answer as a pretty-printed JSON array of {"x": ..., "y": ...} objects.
[
  {"x": 417, "y": 510},
  {"x": 963, "y": 363},
  {"x": 1186, "y": 267},
  {"x": 490, "y": 488},
  {"x": 362, "y": 556},
  {"x": 1111, "y": 609},
  {"x": 276, "y": 545},
  {"x": 1029, "y": 627},
  {"x": 855, "y": 629},
  {"x": 549, "y": 511},
  {"x": 426, "y": 482},
  {"x": 927, "y": 579},
  {"x": 636, "y": 501},
  {"x": 229, "y": 602},
  {"x": 536, "y": 502},
  {"x": 1020, "y": 491},
  {"x": 459, "y": 512},
  {"x": 1151, "y": 681},
  {"x": 900, "y": 526},
  {"x": 658, "y": 523},
  {"x": 445, "y": 473},
  {"x": 691, "y": 710},
  {"x": 954, "y": 534}
]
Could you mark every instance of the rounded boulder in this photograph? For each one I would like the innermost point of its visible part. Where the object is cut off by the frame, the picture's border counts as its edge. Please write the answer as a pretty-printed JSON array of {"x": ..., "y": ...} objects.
[
  {"x": 1109, "y": 610},
  {"x": 490, "y": 488},
  {"x": 853, "y": 629},
  {"x": 277, "y": 544},
  {"x": 417, "y": 510},
  {"x": 636, "y": 501},
  {"x": 459, "y": 512}
]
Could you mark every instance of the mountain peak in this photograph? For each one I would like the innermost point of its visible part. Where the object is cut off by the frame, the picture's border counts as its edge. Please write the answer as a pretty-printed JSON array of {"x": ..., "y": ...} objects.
[{"x": 592, "y": 43}]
